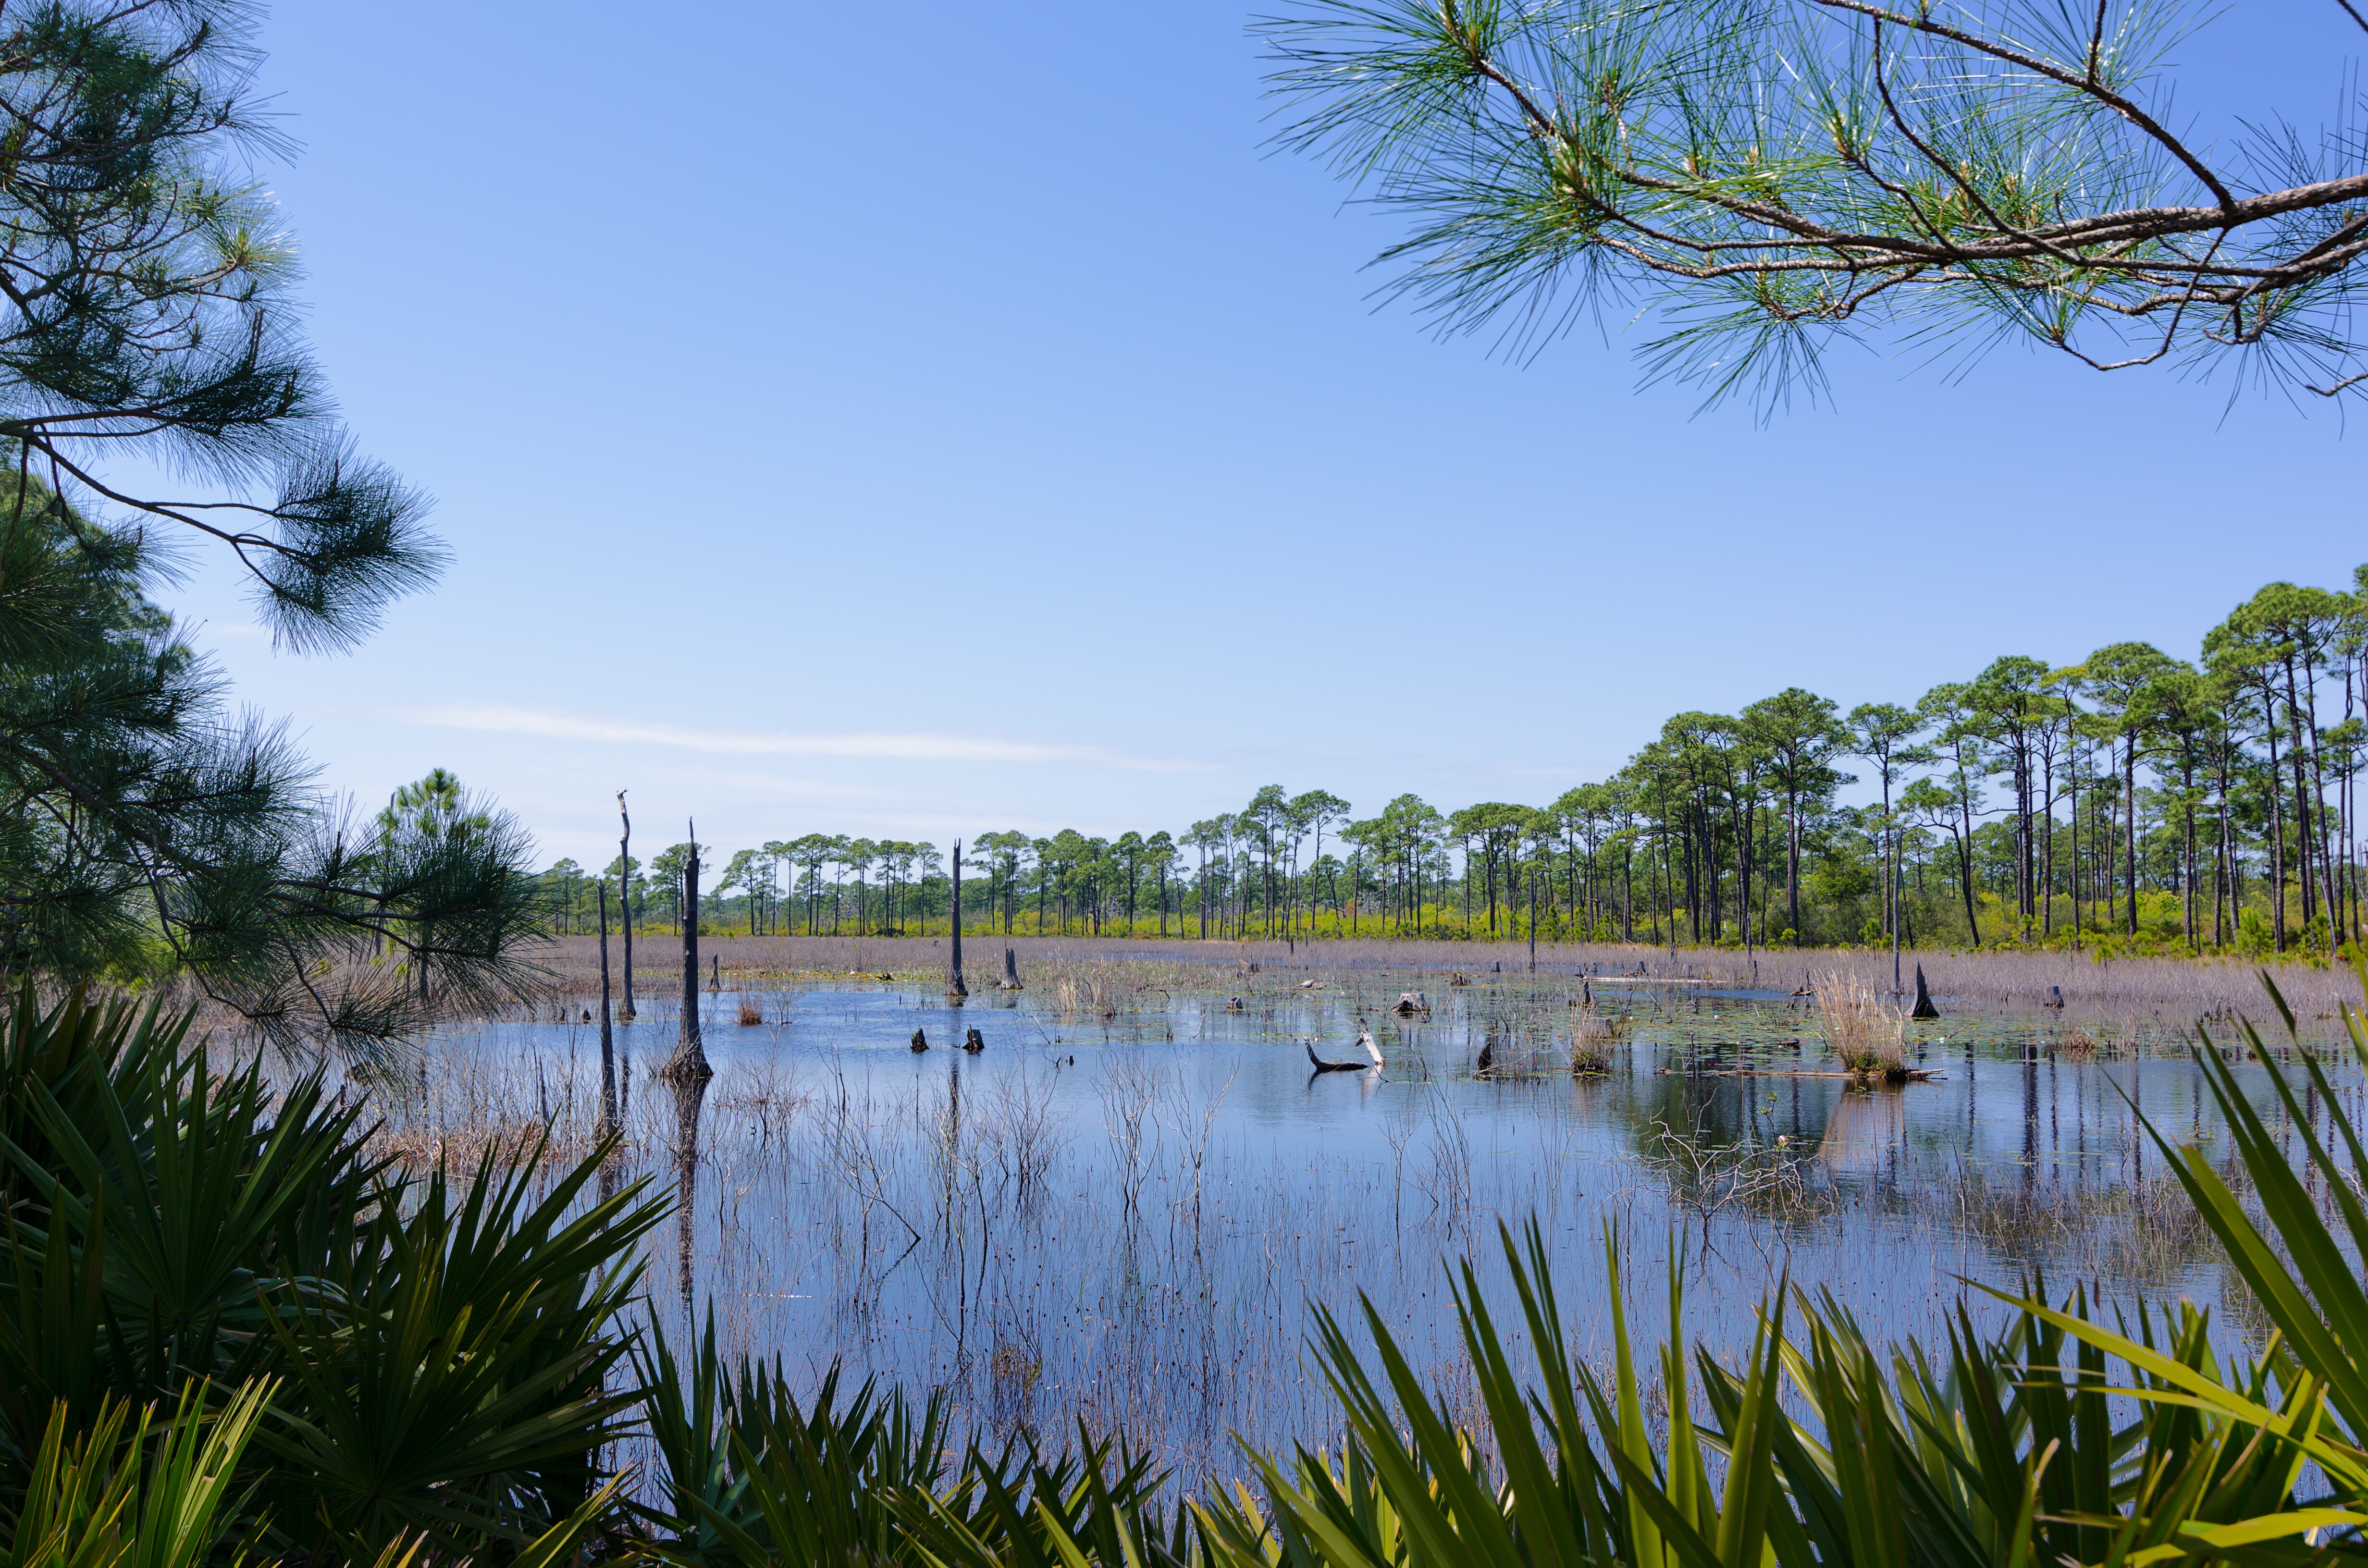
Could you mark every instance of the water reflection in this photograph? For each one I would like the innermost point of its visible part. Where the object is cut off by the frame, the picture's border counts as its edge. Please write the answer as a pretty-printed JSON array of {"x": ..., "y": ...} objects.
[
  {"x": 1865, "y": 1132},
  {"x": 1123, "y": 1217},
  {"x": 690, "y": 1094}
]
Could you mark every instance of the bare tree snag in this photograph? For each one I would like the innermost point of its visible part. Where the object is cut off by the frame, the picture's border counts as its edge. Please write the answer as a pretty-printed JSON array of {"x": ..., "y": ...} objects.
[
  {"x": 625, "y": 899},
  {"x": 688, "y": 1063},
  {"x": 954, "y": 986}
]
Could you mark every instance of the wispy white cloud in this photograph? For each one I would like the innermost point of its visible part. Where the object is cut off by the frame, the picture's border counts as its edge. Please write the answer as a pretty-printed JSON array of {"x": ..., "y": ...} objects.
[{"x": 547, "y": 724}]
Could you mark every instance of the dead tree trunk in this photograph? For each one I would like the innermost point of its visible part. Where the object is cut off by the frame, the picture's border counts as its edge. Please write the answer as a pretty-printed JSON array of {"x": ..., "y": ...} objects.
[
  {"x": 625, "y": 899},
  {"x": 1010, "y": 970},
  {"x": 1924, "y": 1008},
  {"x": 954, "y": 986},
  {"x": 688, "y": 1063}
]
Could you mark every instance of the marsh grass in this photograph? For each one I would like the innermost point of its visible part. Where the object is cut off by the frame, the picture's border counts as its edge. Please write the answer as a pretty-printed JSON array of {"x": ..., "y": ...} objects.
[
  {"x": 1593, "y": 1037},
  {"x": 2152, "y": 1004},
  {"x": 1865, "y": 1031}
]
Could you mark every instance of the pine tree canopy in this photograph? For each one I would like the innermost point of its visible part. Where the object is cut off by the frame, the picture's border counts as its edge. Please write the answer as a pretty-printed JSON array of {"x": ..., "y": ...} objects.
[
  {"x": 147, "y": 829},
  {"x": 1760, "y": 179}
]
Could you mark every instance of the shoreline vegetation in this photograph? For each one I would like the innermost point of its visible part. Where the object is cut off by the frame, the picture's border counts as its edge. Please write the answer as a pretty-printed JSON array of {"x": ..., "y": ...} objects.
[
  {"x": 2176, "y": 991},
  {"x": 2132, "y": 803}
]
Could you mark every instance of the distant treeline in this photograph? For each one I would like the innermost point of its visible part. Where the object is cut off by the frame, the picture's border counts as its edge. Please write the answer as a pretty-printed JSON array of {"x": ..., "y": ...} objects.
[{"x": 2130, "y": 802}]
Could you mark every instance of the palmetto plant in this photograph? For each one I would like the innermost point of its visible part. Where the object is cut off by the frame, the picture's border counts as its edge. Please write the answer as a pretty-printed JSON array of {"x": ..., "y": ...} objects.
[
  {"x": 130, "y": 1489},
  {"x": 438, "y": 1351},
  {"x": 753, "y": 1476}
]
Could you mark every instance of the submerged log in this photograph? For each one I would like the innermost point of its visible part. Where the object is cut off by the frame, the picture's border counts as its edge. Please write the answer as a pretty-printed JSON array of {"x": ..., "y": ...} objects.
[{"x": 1323, "y": 1066}]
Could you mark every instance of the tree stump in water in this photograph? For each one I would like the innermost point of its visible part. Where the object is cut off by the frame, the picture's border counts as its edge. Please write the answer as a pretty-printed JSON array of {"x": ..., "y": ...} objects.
[
  {"x": 954, "y": 986},
  {"x": 1010, "y": 970},
  {"x": 688, "y": 1063},
  {"x": 1924, "y": 1008},
  {"x": 920, "y": 1041},
  {"x": 974, "y": 1042}
]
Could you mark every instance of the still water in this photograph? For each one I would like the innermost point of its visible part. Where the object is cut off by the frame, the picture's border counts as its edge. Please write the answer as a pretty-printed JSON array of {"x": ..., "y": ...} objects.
[{"x": 1119, "y": 1210}]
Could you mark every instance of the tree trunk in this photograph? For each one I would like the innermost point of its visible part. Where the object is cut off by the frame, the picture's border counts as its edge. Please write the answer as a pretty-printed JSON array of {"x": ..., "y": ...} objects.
[
  {"x": 688, "y": 1063},
  {"x": 2302, "y": 799},
  {"x": 2277, "y": 825},
  {"x": 954, "y": 986},
  {"x": 625, "y": 899},
  {"x": 2130, "y": 813}
]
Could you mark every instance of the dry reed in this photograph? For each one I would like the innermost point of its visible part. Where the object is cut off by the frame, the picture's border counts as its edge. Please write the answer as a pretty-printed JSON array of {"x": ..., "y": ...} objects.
[
  {"x": 2159, "y": 998},
  {"x": 1864, "y": 1031}
]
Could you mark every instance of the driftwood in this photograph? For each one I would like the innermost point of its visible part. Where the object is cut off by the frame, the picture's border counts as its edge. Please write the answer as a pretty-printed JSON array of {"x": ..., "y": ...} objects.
[{"x": 1371, "y": 1063}]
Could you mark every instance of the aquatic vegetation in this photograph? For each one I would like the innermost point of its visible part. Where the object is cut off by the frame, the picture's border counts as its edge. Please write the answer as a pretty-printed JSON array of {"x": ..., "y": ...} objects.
[{"x": 1868, "y": 1034}]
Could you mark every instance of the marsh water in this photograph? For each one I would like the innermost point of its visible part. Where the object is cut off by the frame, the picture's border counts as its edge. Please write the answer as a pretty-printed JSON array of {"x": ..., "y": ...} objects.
[{"x": 1122, "y": 1207}]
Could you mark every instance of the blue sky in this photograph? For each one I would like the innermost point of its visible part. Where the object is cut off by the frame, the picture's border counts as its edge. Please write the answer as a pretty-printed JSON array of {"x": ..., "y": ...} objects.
[{"x": 924, "y": 422}]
